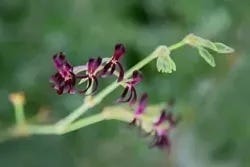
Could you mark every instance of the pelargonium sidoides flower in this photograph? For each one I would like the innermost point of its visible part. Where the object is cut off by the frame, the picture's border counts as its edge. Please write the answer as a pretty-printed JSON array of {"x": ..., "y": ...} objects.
[
  {"x": 91, "y": 74},
  {"x": 64, "y": 79},
  {"x": 130, "y": 88},
  {"x": 111, "y": 65}
]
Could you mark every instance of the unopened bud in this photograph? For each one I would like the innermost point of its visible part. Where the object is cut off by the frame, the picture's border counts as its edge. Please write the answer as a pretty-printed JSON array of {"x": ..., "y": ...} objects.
[{"x": 17, "y": 98}]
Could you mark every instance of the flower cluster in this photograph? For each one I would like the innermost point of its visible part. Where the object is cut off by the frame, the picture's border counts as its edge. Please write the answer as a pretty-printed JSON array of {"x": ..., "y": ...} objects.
[
  {"x": 64, "y": 80},
  {"x": 68, "y": 77},
  {"x": 161, "y": 127},
  {"x": 130, "y": 88}
]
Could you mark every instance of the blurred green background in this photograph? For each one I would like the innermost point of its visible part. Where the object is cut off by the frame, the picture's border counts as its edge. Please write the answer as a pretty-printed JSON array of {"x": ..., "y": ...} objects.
[{"x": 213, "y": 102}]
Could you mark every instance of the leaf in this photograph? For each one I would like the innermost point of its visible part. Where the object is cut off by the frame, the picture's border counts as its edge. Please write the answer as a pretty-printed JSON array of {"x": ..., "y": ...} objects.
[
  {"x": 208, "y": 44},
  {"x": 164, "y": 62},
  {"x": 198, "y": 42},
  {"x": 206, "y": 56},
  {"x": 222, "y": 48}
]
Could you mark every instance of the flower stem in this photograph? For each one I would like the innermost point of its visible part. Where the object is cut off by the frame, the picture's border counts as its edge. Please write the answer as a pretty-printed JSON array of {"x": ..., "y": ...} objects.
[
  {"x": 19, "y": 114},
  {"x": 84, "y": 122},
  {"x": 177, "y": 45}
]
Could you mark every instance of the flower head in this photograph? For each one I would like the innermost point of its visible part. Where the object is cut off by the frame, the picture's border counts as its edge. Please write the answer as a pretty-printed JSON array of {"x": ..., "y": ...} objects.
[
  {"x": 91, "y": 74},
  {"x": 162, "y": 127},
  {"x": 130, "y": 88},
  {"x": 64, "y": 79},
  {"x": 140, "y": 109},
  {"x": 114, "y": 63}
]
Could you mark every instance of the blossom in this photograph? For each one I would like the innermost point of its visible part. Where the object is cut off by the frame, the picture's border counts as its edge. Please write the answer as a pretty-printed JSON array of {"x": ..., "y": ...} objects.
[
  {"x": 130, "y": 88},
  {"x": 162, "y": 127},
  {"x": 114, "y": 63},
  {"x": 91, "y": 74},
  {"x": 140, "y": 109},
  {"x": 64, "y": 79}
]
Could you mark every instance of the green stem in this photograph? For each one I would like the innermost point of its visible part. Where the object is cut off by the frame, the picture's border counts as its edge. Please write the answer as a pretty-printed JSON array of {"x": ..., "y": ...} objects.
[
  {"x": 177, "y": 45},
  {"x": 19, "y": 114},
  {"x": 42, "y": 129},
  {"x": 109, "y": 113},
  {"x": 84, "y": 122}
]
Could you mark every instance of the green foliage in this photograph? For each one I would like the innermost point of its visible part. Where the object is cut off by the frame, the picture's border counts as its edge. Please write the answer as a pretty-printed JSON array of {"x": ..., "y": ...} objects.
[{"x": 201, "y": 44}]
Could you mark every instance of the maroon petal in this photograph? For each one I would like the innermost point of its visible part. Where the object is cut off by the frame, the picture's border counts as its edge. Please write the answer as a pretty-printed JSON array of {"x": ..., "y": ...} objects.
[
  {"x": 93, "y": 64},
  {"x": 106, "y": 67},
  {"x": 118, "y": 52},
  {"x": 123, "y": 100},
  {"x": 161, "y": 142},
  {"x": 121, "y": 72},
  {"x": 142, "y": 104},
  {"x": 134, "y": 98},
  {"x": 112, "y": 69},
  {"x": 161, "y": 119},
  {"x": 90, "y": 65},
  {"x": 59, "y": 90},
  {"x": 95, "y": 85},
  {"x": 125, "y": 92},
  {"x": 59, "y": 60}
]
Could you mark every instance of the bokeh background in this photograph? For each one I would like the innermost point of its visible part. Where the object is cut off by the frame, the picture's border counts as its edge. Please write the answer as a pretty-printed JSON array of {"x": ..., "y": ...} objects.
[{"x": 213, "y": 102}]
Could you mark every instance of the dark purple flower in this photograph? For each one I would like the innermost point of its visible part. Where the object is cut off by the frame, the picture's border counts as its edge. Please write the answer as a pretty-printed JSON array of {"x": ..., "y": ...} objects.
[
  {"x": 64, "y": 80},
  {"x": 162, "y": 127},
  {"x": 114, "y": 63},
  {"x": 91, "y": 74},
  {"x": 161, "y": 140},
  {"x": 130, "y": 88},
  {"x": 140, "y": 109}
]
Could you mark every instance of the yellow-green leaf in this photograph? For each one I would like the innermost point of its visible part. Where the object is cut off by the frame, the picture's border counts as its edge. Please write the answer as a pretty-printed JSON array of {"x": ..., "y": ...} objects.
[
  {"x": 222, "y": 48},
  {"x": 206, "y": 56}
]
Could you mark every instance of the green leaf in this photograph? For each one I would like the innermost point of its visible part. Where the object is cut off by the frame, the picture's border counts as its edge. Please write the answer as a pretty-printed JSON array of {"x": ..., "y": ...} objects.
[
  {"x": 198, "y": 42},
  {"x": 164, "y": 62},
  {"x": 208, "y": 44},
  {"x": 206, "y": 56},
  {"x": 222, "y": 48}
]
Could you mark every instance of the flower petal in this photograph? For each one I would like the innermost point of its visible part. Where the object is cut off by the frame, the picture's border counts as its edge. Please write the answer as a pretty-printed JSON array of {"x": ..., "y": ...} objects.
[{"x": 121, "y": 72}]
